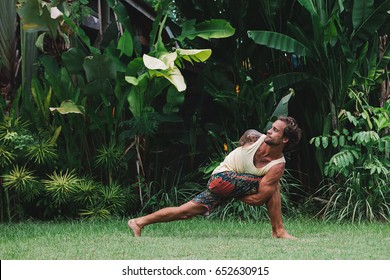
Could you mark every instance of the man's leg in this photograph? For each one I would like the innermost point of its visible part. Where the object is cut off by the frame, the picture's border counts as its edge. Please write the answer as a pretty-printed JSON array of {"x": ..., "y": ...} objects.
[
  {"x": 274, "y": 206},
  {"x": 185, "y": 211}
]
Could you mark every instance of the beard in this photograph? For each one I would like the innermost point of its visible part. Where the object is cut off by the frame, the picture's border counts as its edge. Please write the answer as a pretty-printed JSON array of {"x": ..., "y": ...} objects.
[{"x": 271, "y": 142}]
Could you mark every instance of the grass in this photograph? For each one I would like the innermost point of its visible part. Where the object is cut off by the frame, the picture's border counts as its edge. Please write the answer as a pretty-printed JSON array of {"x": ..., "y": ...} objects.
[{"x": 196, "y": 239}]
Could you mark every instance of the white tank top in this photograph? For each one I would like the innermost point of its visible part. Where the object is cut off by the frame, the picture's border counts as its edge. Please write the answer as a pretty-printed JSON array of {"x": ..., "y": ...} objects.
[{"x": 240, "y": 160}]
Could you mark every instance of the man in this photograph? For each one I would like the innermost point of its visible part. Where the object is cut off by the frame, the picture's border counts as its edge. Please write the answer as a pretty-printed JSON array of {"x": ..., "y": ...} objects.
[{"x": 250, "y": 173}]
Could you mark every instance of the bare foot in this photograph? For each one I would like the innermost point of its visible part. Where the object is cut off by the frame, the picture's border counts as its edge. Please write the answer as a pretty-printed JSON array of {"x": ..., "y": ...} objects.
[
  {"x": 283, "y": 235},
  {"x": 134, "y": 227}
]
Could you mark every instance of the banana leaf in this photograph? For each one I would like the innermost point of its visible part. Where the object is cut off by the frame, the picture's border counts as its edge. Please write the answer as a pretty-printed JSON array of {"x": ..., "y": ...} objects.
[
  {"x": 278, "y": 41},
  {"x": 281, "y": 109},
  {"x": 7, "y": 31},
  {"x": 371, "y": 23},
  {"x": 309, "y": 5}
]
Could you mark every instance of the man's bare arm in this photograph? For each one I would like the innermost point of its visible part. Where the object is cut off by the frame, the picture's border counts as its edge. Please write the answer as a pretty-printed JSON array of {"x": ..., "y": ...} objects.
[
  {"x": 250, "y": 136},
  {"x": 268, "y": 185}
]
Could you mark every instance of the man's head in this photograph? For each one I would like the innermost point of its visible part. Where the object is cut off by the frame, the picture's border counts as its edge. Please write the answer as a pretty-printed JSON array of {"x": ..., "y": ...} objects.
[
  {"x": 292, "y": 132},
  {"x": 284, "y": 131}
]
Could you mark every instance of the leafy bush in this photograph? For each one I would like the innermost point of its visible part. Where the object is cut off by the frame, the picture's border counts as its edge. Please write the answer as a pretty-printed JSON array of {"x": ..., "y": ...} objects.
[{"x": 359, "y": 169}]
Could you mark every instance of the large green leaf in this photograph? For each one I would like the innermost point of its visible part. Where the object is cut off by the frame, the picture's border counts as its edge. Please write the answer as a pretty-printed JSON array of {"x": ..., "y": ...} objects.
[
  {"x": 278, "y": 41},
  {"x": 37, "y": 15},
  {"x": 281, "y": 109},
  {"x": 371, "y": 22},
  {"x": 99, "y": 67},
  {"x": 7, "y": 31},
  {"x": 73, "y": 60},
  {"x": 125, "y": 44},
  {"x": 361, "y": 11},
  {"x": 136, "y": 95},
  {"x": 209, "y": 29},
  {"x": 309, "y": 5}
]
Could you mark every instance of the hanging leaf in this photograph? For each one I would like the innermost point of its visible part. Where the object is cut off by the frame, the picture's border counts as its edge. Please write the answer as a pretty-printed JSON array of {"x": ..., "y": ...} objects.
[
  {"x": 342, "y": 140},
  {"x": 317, "y": 141},
  {"x": 209, "y": 29},
  {"x": 308, "y": 4},
  {"x": 335, "y": 141},
  {"x": 136, "y": 95},
  {"x": 40, "y": 41},
  {"x": 325, "y": 142},
  {"x": 68, "y": 107},
  {"x": 125, "y": 44},
  {"x": 131, "y": 80},
  {"x": 194, "y": 55}
]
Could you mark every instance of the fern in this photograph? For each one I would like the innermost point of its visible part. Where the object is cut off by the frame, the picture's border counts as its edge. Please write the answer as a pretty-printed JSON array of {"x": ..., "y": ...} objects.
[
  {"x": 365, "y": 137},
  {"x": 375, "y": 166},
  {"x": 340, "y": 161}
]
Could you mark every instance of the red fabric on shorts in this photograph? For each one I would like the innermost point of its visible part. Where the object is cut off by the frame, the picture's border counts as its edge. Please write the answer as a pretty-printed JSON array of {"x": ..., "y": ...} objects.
[{"x": 221, "y": 187}]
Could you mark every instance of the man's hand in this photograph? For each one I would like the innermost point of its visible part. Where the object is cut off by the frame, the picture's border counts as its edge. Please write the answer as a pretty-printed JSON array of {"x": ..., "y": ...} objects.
[{"x": 268, "y": 185}]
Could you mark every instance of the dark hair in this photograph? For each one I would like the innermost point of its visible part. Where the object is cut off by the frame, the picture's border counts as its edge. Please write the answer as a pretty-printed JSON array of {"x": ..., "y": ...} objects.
[{"x": 291, "y": 131}]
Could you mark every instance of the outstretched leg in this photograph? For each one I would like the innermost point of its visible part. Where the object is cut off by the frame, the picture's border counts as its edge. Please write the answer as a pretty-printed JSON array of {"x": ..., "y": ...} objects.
[
  {"x": 274, "y": 206},
  {"x": 185, "y": 211}
]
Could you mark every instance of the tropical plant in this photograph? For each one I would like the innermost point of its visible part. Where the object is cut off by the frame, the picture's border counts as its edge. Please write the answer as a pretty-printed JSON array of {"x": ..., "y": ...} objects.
[
  {"x": 325, "y": 58},
  {"x": 20, "y": 185},
  {"x": 9, "y": 57},
  {"x": 109, "y": 159},
  {"x": 60, "y": 186},
  {"x": 157, "y": 73},
  {"x": 96, "y": 201},
  {"x": 19, "y": 148},
  {"x": 360, "y": 166},
  {"x": 336, "y": 48}
]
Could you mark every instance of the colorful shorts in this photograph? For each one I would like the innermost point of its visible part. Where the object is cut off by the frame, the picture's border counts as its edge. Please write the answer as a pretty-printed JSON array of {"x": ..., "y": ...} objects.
[{"x": 226, "y": 185}]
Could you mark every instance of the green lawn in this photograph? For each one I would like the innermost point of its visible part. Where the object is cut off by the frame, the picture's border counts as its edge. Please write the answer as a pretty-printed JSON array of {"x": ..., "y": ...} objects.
[{"x": 199, "y": 238}]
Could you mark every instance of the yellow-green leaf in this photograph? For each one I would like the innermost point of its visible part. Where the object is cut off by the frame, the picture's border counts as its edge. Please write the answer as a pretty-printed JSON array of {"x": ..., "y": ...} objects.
[
  {"x": 67, "y": 107},
  {"x": 194, "y": 55}
]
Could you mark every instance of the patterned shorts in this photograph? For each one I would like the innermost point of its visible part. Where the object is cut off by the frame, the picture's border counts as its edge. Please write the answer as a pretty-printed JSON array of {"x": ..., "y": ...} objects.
[{"x": 226, "y": 185}]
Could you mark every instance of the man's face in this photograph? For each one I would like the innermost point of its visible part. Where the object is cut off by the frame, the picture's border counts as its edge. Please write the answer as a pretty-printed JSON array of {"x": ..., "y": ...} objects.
[{"x": 274, "y": 135}]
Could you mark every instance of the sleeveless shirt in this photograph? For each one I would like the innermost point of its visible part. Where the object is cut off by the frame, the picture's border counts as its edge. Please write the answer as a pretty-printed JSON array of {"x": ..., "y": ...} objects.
[{"x": 240, "y": 160}]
